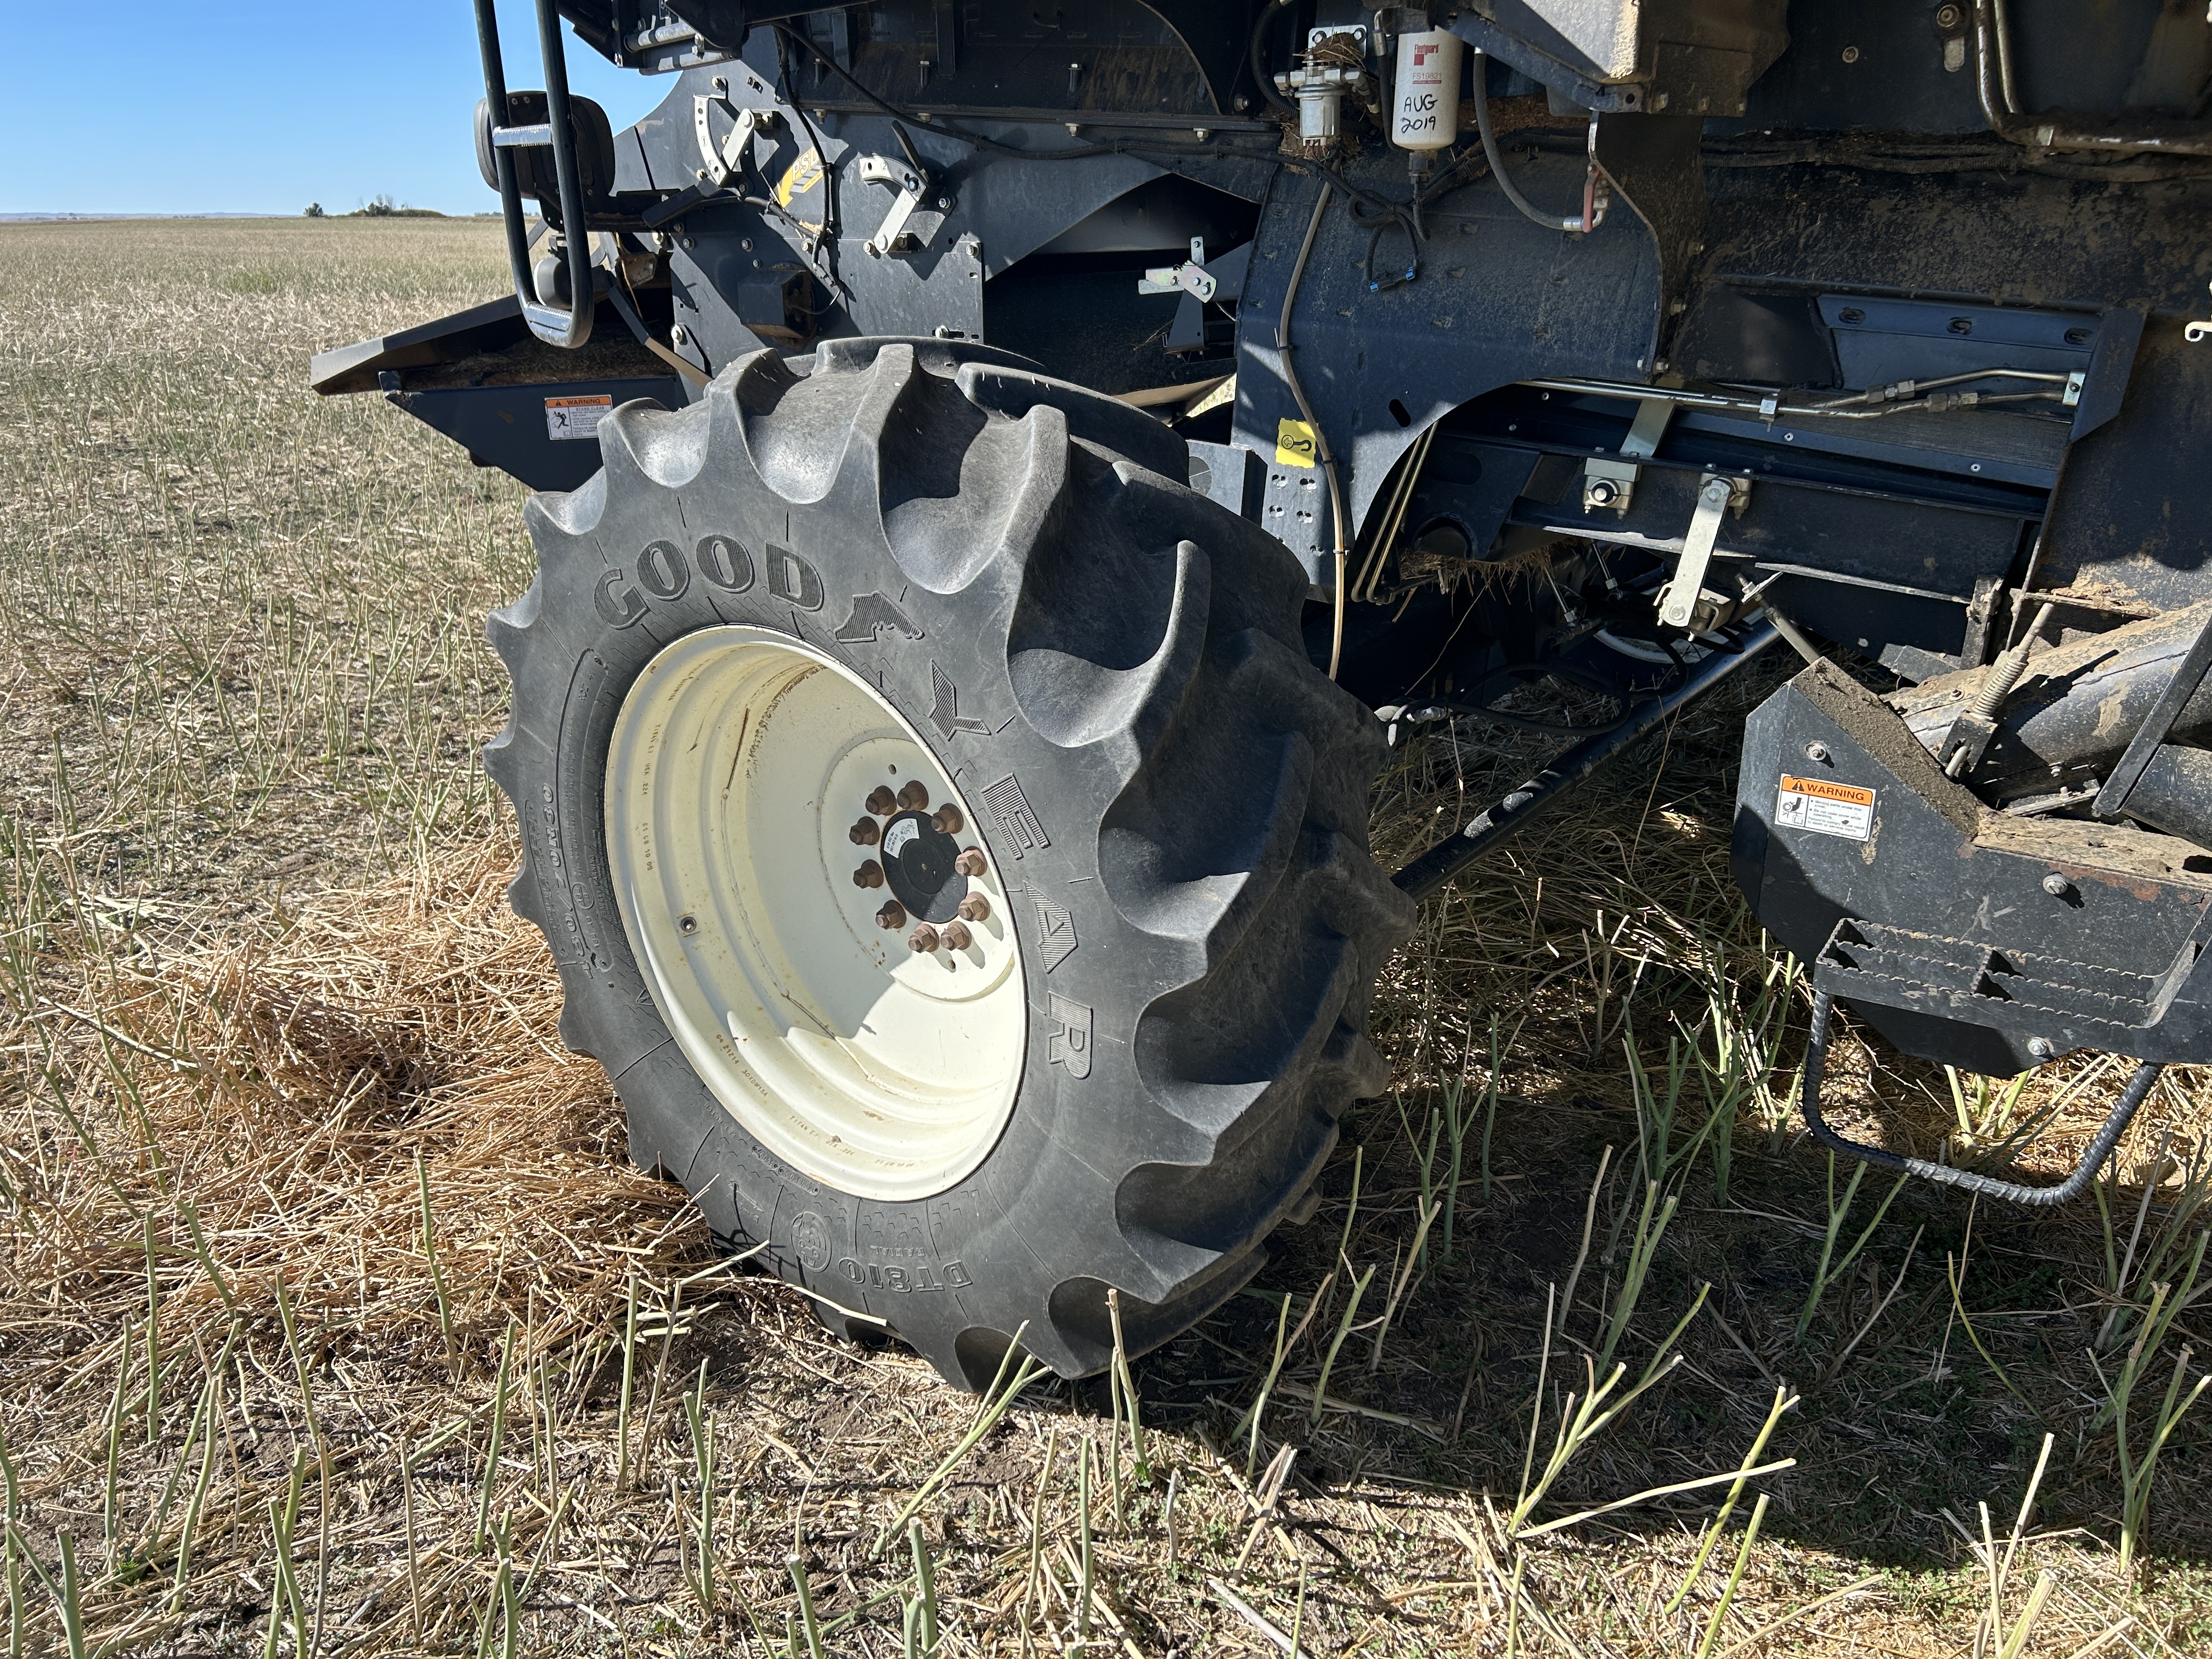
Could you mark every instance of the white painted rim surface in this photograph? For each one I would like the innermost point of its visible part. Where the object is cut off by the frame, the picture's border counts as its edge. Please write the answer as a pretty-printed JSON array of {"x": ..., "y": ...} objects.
[{"x": 740, "y": 762}]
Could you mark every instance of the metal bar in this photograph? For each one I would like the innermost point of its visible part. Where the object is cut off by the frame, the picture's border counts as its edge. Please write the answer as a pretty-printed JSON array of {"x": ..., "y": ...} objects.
[
  {"x": 1429, "y": 873},
  {"x": 573, "y": 327},
  {"x": 2112, "y": 799},
  {"x": 2100, "y": 1147},
  {"x": 510, "y": 195}
]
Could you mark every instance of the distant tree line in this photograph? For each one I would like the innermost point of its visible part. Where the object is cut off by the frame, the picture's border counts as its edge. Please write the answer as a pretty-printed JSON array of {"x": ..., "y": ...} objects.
[{"x": 377, "y": 207}]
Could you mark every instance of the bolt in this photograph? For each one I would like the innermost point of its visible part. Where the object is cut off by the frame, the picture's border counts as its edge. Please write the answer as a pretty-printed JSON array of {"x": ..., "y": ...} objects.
[
  {"x": 914, "y": 796},
  {"x": 945, "y": 205},
  {"x": 947, "y": 821},
  {"x": 1603, "y": 492},
  {"x": 2056, "y": 885},
  {"x": 956, "y": 936},
  {"x": 2042, "y": 1047},
  {"x": 1850, "y": 54},
  {"x": 679, "y": 334},
  {"x": 721, "y": 83},
  {"x": 870, "y": 874},
  {"x": 922, "y": 940},
  {"x": 882, "y": 802},
  {"x": 1817, "y": 751},
  {"x": 975, "y": 908},
  {"x": 687, "y": 924},
  {"x": 1948, "y": 17},
  {"x": 1717, "y": 490},
  {"x": 863, "y": 833},
  {"x": 891, "y": 917},
  {"x": 970, "y": 861}
]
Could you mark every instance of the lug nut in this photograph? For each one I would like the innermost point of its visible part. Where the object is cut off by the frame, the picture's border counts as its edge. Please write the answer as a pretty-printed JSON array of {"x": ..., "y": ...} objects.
[
  {"x": 914, "y": 796},
  {"x": 891, "y": 917},
  {"x": 975, "y": 908},
  {"x": 2056, "y": 885},
  {"x": 870, "y": 874},
  {"x": 970, "y": 861},
  {"x": 863, "y": 833},
  {"x": 882, "y": 802},
  {"x": 922, "y": 939},
  {"x": 947, "y": 820},
  {"x": 956, "y": 936}
]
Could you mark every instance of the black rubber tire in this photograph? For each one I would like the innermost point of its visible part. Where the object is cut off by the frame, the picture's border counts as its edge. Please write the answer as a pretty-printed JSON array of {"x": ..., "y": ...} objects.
[{"x": 1196, "y": 804}]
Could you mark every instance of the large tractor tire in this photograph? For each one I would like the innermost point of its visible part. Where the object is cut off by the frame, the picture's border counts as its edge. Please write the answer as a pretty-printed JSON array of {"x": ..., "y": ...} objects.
[{"x": 947, "y": 848}]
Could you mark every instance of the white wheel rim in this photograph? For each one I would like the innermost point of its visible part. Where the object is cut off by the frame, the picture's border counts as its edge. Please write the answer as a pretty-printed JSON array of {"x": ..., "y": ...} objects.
[{"x": 740, "y": 762}]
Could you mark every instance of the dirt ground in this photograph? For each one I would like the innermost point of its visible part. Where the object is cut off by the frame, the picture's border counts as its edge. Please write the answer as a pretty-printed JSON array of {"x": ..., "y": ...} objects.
[{"x": 332, "y": 1319}]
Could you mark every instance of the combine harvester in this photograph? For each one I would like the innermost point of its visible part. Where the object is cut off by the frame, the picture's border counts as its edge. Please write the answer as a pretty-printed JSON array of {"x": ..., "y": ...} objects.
[{"x": 1005, "y": 471}]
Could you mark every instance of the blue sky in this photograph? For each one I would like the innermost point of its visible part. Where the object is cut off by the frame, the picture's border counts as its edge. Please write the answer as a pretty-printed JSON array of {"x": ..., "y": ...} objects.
[{"x": 258, "y": 106}]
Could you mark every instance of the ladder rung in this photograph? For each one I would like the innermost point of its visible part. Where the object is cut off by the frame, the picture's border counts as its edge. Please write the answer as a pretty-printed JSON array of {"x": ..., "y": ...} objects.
[{"x": 537, "y": 137}]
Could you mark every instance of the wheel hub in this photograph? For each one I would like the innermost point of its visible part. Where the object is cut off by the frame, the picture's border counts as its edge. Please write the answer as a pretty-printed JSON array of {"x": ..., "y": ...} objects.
[{"x": 918, "y": 861}]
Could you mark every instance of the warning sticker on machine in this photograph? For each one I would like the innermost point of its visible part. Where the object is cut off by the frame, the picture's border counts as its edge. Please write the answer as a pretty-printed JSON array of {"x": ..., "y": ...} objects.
[
  {"x": 1825, "y": 808},
  {"x": 1294, "y": 444},
  {"x": 575, "y": 418}
]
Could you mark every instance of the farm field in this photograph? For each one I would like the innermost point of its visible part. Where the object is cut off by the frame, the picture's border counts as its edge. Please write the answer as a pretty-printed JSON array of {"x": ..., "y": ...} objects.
[{"x": 334, "y": 1321}]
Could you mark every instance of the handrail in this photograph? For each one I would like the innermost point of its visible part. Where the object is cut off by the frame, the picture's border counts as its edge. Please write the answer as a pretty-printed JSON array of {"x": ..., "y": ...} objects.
[{"x": 571, "y": 326}]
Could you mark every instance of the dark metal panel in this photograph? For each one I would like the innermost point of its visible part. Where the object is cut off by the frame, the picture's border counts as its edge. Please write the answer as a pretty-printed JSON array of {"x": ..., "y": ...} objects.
[
  {"x": 508, "y": 427},
  {"x": 2132, "y": 522},
  {"x": 1586, "y": 307}
]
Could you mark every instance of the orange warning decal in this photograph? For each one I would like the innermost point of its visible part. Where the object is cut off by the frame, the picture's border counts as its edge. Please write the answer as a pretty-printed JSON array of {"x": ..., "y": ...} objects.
[
  {"x": 1850, "y": 794},
  {"x": 1825, "y": 808}
]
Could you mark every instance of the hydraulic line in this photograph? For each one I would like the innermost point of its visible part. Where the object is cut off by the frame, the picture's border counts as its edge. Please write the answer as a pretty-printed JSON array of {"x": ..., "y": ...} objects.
[
  {"x": 1587, "y": 220},
  {"x": 2000, "y": 99},
  {"x": 1321, "y": 452},
  {"x": 1255, "y": 53}
]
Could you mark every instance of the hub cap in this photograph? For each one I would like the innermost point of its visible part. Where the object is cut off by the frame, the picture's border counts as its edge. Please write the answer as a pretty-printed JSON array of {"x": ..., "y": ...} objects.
[{"x": 792, "y": 867}]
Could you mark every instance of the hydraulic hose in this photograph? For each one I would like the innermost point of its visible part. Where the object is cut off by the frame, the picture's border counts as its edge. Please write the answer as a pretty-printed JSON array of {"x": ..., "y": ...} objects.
[
  {"x": 1322, "y": 451},
  {"x": 1585, "y": 221}
]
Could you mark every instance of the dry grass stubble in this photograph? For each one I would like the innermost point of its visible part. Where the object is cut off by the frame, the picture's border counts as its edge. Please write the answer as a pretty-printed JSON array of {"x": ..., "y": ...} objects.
[{"x": 271, "y": 1410}]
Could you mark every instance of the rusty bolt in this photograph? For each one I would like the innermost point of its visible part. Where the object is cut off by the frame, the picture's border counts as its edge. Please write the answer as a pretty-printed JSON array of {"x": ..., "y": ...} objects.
[
  {"x": 914, "y": 796},
  {"x": 970, "y": 861},
  {"x": 870, "y": 874},
  {"x": 863, "y": 833},
  {"x": 956, "y": 936},
  {"x": 923, "y": 938},
  {"x": 975, "y": 908},
  {"x": 891, "y": 917},
  {"x": 947, "y": 820},
  {"x": 882, "y": 802}
]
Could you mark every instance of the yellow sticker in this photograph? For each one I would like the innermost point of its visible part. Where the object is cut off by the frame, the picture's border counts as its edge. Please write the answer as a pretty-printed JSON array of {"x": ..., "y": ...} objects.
[
  {"x": 801, "y": 176},
  {"x": 1294, "y": 444}
]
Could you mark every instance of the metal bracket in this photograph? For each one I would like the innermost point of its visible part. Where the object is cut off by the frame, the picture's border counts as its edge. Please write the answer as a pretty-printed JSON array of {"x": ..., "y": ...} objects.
[
  {"x": 721, "y": 161},
  {"x": 1609, "y": 483},
  {"x": 1717, "y": 493},
  {"x": 2112, "y": 799},
  {"x": 910, "y": 178},
  {"x": 1612, "y": 484},
  {"x": 1190, "y": 277}
]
